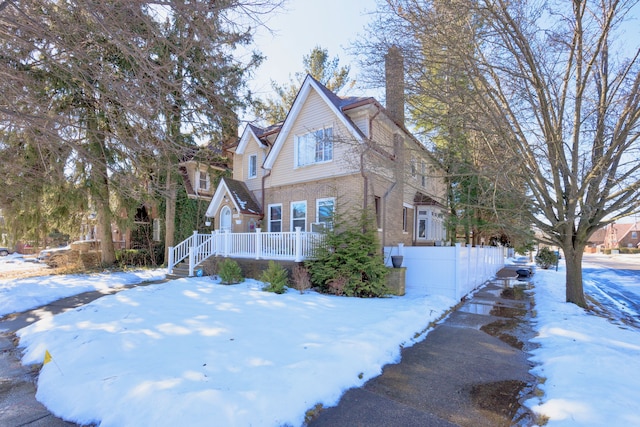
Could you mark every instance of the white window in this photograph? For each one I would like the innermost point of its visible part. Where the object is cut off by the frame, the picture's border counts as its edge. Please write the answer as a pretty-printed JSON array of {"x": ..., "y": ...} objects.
[
  {"x": 634, "y": 234},
  {"x": 324, "y": 211},
  {"x": 314, "y": 147},
  {"x": 430, "y": 224},
  {"x": 299, "y": 215},
  {"x": 253, "y": 166},
  {"x": 275, "y": 218},
  {"x": 203, "y": 180},
  {"x": 423, "y": 175}
]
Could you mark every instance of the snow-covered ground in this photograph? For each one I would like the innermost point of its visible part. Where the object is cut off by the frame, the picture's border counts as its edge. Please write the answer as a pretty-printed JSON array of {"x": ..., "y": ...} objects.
[
  {"x": 23, "y": 294},
  {"x": 190, "y": 351},
  {"x": 15, "y": 264},
  {"x": 590, "y": 365}
]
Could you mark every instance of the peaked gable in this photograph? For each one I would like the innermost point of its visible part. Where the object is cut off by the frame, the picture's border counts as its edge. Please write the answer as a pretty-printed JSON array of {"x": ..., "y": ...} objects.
[
  {"x": 242, "y": 199},
  {"x": 333, "y": 102},
  {"x": 250, "y": 132}
]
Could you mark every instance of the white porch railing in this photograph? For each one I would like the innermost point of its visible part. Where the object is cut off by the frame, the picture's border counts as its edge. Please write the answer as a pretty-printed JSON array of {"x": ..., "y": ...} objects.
[{"x": 292, "y": 246}]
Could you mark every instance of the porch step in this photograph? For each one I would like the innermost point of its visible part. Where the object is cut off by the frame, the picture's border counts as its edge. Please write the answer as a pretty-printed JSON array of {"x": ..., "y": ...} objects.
[{"x": 180, "y": 270}]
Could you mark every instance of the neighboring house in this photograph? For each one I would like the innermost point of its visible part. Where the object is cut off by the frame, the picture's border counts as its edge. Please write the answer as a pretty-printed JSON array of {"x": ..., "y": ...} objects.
[
  {"x": 333, "y": 154},
  {"x": 146, "y": 228},
  {"x": 596, "y": 241},
  {"x": 621, "y": 236},
  {"x": 198, "y": 172}
]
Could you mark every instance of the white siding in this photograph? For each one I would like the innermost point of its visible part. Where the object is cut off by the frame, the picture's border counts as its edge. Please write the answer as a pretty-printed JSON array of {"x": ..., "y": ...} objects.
[{"x": 315, "y": 114}]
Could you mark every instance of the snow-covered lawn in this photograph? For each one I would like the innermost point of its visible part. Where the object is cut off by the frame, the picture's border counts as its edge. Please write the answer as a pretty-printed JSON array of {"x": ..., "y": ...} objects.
[
  {"x": 590, "y": 366},
  {"x": 15, "y": 264},
  {"x": 190, "y": 351},
  {"x": 17, "y": 295}
]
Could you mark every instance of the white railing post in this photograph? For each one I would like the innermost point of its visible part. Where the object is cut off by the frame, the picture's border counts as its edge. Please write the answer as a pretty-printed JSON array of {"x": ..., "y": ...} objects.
[
  {"x": 457, "y": 273},
  {"x": 170, "y": 261},
  {"x": 298, "y": 245},
  {"x": 192, "y": 260},
  {"x": 226, "y": 243},
  {"x": 258, "y": 237}
]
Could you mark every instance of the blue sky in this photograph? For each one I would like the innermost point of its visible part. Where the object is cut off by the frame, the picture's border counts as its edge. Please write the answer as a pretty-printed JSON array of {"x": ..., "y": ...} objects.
[{"x": 299, "y": 27}]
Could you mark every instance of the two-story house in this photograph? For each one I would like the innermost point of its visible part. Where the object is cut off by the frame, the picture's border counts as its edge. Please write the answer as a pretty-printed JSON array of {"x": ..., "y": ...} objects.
[{"x": 333, "y": 154}]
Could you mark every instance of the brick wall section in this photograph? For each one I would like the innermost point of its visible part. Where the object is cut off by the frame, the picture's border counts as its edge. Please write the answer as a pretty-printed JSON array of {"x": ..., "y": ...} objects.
[
  {"x": 251, "y": 268},
  {"x": 347, "y": 191}
]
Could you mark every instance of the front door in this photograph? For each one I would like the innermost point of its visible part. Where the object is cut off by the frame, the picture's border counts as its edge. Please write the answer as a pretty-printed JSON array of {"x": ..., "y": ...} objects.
[{"x": 225, "y": 219}]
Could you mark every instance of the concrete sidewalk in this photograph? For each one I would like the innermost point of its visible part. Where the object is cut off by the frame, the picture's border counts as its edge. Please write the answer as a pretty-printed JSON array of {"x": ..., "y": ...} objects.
[{"x": 471, "y": 370}]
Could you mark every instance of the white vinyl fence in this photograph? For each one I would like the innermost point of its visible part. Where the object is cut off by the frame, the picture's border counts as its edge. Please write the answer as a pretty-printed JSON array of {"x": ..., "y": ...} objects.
[{"x": 452, "y": 271}]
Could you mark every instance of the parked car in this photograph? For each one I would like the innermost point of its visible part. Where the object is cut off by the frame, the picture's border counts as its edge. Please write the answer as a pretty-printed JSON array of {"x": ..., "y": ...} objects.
[
  {"x": 46, "y": 254},
  {"x": 4, "y": 251}
]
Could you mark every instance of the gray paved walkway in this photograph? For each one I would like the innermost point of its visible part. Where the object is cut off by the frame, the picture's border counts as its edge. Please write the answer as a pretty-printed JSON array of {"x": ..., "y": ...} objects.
[{"x": 470, "y": 370}]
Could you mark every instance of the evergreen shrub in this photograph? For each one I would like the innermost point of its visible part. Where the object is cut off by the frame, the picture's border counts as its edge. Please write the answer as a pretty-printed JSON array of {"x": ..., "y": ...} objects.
[
  {"x": 545, "y": 258},
  {"x": 276, "y": 277},
  {"x": 350, "y": 262},
  {"x": 229, "y": 272}
]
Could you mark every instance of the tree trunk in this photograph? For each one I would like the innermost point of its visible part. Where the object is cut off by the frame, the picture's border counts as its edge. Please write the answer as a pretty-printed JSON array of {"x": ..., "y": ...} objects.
[
  {"x": 574, "y": 286},
  {"x": 108, "y": 251}
]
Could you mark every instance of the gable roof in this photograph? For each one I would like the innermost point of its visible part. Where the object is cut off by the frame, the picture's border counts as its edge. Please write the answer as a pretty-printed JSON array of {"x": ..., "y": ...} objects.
[
  {"x": 241, "y": 198},
  {"x": 335, "y": 104},
  {"x": 251, "y": 131},
  {"x": 625, "y": 228}
]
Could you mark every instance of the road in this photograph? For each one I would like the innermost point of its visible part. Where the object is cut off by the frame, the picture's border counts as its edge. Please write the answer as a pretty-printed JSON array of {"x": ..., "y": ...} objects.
[{"x": 613, "y": 281}]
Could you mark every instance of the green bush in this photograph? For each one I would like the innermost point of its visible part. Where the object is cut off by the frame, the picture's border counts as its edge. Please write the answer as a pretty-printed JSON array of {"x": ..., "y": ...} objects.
[
  {"x": 229, "y": 272},
  {"x": 350, "y": 261},
  {"x": 133, "y": 257},
  {"x": 276, "y": 277},
  {"x": 545, "y": 258}
]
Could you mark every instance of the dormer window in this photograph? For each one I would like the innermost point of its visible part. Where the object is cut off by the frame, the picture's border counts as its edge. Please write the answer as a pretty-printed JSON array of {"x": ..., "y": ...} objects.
[
  {"x": 203, "y": 181},
  {"x": 314, "y": 147},
  {"x": 253, "y": 166}
]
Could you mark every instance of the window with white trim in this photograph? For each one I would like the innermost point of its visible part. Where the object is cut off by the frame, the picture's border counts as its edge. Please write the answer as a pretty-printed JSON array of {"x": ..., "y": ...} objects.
[
  {"x": 314, "y": 147},
  {"x": 275, "y": 218},
  {"x": 203, "y": 180},
  {"x": 325, "y": 209},
  {"x": 253, "y": 166},
  {"x": 299, "y": 215},
  {"x": 430, "y": 224}
]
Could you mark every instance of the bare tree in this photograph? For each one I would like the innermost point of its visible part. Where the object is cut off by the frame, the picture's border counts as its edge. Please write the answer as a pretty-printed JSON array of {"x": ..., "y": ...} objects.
[{"x": 557, "y": 89}]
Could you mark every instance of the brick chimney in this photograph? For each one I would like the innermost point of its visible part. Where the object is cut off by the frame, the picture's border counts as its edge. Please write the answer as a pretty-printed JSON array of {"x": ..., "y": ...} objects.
[{"x": 394, "y": 77}]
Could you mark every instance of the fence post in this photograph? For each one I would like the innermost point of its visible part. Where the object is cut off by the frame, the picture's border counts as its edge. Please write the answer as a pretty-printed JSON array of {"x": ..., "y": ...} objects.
[
  {"x": 258, "y": 242},
  {"x": 226, "y": 243},
  {"x": 192, "y": 260},
  {"x": 170, "y": 262},
  {"x": 298, "y": 245},
  {"x": 456, "y": 274}
]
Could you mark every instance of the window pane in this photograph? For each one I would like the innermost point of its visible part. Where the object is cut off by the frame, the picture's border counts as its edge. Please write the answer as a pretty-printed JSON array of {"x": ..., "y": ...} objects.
[
  {"x": 325, "y": 211},
  {"x": 298, "y": 215},
  {"x": 253, "y": 166},
  {"x": 276, "y": 212},
  {"x": 299, "y": 210}
]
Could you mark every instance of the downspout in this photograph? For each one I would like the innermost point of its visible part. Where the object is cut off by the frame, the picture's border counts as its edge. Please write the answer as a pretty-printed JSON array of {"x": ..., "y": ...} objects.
[
  {"x": 384, "y": 214},
  {"x": 264, "y": 179},
  {"x": 365, "y": 193}
]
